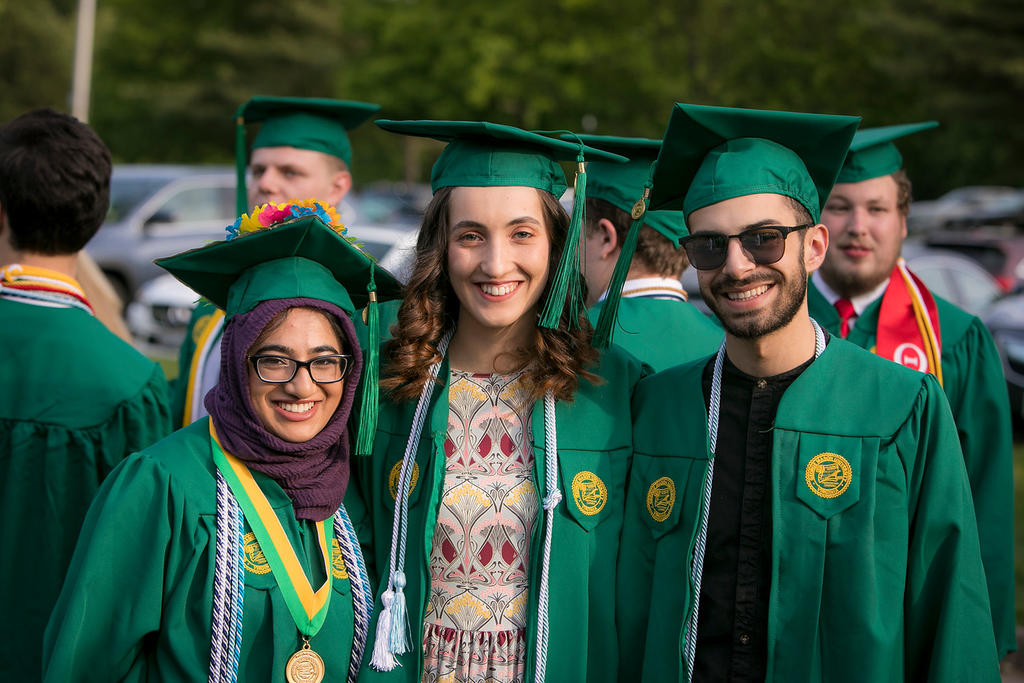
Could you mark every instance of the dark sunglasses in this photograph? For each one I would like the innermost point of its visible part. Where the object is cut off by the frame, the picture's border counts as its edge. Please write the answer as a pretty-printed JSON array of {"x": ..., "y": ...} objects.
[{"x": 707, "y": 251}]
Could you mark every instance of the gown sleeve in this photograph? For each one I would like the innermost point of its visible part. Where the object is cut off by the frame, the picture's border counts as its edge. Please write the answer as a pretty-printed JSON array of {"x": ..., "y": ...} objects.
[
  {"x": 948, "y": 621},
  {"x": 976, "y": 389},
  {"x": 112, "y": 596}
]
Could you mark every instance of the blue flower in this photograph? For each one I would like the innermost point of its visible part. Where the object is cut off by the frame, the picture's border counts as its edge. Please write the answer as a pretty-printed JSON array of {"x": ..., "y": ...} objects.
[{"x": 232, "y": 230}]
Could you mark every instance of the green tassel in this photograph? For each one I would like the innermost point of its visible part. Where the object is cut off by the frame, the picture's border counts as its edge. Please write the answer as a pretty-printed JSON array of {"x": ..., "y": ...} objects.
[
  {"x": 371, "y": 374},
  {"x": 609, "y": 312},
  {"x": 565, "y": 284},
  {"x": 241, "y": 198}
]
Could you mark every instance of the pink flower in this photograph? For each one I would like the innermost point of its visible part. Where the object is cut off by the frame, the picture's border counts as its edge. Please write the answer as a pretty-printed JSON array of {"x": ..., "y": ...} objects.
[{"x": 272, "y": 214}]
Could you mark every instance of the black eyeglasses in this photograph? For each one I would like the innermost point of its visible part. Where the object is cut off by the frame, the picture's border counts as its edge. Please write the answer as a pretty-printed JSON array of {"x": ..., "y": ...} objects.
[
  {"x": 707, "y": 251},
  {"x": 282, "y": 369}
]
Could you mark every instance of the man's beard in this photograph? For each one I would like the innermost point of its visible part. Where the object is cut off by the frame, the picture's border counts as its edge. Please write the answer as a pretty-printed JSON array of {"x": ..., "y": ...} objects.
[
  {"x": 850, "y": 283},
  {"x": 791, "y": 297}
]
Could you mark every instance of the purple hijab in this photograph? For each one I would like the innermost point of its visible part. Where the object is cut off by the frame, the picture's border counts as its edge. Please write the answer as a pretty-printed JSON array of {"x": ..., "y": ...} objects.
[{"x": 313, "y": 473}]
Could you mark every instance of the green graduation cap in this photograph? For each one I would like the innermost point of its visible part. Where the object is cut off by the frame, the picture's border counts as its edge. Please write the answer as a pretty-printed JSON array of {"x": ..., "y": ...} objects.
[
  {"x": 481, "y": 154},
  {"x": 302, "y": 257},
  {"x": 872, "y": 153},
  {"x": 627, "y": 187},
  {"x": 711, "y": 154},
  {"x": 316, "y": 124}
]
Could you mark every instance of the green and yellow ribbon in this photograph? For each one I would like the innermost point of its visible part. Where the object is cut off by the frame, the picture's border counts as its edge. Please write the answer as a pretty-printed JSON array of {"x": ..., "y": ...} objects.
[{"x": 308, "y": 607}]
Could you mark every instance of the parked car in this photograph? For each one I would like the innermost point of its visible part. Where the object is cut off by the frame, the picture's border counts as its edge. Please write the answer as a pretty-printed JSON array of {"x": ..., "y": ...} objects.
[
  {"x": 957, "y": 279},
  {"x": 1005, "y": 320},
  {"x": 157, "y": 211},
  {"x": 159, "y": 316},
  {"x": 1000, "y": 251},
  {"x": 967, "y": 206}
]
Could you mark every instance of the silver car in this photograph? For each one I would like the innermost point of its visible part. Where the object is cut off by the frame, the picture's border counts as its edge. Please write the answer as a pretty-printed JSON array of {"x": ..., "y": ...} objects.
[{"x": 157, "y": 211}]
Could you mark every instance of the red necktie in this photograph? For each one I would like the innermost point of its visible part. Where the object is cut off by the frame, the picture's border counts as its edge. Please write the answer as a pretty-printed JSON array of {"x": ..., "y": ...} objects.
[{"x": 845, "y": 308}]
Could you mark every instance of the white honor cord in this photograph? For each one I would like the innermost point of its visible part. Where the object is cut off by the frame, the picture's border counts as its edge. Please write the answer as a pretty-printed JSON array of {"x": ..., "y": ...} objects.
[
  {"x": 391, "y": 636},
  {"x": 551, "y": 500},
  {"x": 690, "y": 644}
]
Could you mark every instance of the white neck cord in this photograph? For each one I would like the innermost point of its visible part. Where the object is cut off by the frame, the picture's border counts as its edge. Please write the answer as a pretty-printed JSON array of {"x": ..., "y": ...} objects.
[
  {"x": 392, "y": 635},
  {"x": 550, "y": 502},
  {"x": 697, "y": 569}
]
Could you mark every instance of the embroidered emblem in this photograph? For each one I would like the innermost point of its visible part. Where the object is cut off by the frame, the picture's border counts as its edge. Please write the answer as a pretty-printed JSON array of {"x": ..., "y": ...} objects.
[
  {"x": 393, "y": 478},
  {"x": 661, "y": 496},
  {"x": 589, "y": 492},
  {"x": 338, "y": 568},
  {"x": 828, "y": 475},
  {"x": 255, "y": 561}
]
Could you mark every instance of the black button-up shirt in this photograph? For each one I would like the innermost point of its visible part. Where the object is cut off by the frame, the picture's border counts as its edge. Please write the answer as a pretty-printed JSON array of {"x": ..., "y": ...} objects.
[{"x": 732, "y": 628}]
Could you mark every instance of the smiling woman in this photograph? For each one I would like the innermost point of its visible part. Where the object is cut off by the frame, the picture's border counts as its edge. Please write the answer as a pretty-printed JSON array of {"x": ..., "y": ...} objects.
[
  {"x": 498, "y": 253},
  {"x": 493, "y": 349},
  {"x": 259, "y": 574},
  {"x": 294, "y": 402}
]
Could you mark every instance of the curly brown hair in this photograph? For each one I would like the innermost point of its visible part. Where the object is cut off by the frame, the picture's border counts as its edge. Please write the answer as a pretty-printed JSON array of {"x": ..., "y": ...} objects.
[{"x": 555, "y": 362}]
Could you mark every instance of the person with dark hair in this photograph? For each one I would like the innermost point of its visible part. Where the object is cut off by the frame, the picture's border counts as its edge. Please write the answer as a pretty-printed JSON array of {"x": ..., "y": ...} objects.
[
  {"x": 78, "y": 399},
  {"x": 798, "y": 508},
  {"x": 301, "y": 150},
  {"x": 224, "y": 552},
  {"x": 865, "y": 293},
  {"x": 654, "y": 321},
  {"x": 501, "y": 455}
]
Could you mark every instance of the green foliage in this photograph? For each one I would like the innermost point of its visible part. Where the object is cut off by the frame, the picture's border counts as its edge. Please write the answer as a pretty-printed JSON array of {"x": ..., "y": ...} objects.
[
  {"x": 169, "y": 74},
  {"x": 36, "y": 41}
]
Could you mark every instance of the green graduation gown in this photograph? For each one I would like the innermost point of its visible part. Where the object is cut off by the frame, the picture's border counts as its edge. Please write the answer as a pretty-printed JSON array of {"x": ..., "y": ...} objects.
[
  {"x": 138, "y": 599},
  {"x": 976, "y": 388},
  {"x": 662, "y": 332},
  {"x": 594, "y": 435},
  {"x": 77, "y": 400},
  {"x": 879, "y": 581}
]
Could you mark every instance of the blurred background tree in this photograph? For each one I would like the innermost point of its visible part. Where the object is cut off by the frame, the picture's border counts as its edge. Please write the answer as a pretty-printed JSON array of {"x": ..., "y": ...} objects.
[{"x": 169, "y": 74}]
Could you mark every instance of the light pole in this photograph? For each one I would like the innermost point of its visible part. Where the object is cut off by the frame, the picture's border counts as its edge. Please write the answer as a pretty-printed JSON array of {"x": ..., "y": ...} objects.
[{"x": 81, "y": 76}]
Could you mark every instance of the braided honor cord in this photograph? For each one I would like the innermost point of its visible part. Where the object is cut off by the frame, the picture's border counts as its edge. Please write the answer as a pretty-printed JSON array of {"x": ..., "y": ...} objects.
[
  {"x": 690, "y": 645},
  {"x": 392, "y": 635},
  {"x": 550, "y": 502},
  {"x": 228, "y": 588},
  {"x": 362, "y": 593}
]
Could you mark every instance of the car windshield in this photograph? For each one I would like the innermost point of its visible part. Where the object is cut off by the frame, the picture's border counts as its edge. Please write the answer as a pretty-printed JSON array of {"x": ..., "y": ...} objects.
[{"x": 127, "y": 192}]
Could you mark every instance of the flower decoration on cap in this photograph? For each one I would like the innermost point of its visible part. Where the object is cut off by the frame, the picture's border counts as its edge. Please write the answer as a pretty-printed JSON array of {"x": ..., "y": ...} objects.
[{"x": 275, "y": 213}]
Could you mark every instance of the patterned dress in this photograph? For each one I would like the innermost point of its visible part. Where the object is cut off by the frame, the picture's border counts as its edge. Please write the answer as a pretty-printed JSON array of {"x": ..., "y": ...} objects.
[{"x": 475, "y": 623}]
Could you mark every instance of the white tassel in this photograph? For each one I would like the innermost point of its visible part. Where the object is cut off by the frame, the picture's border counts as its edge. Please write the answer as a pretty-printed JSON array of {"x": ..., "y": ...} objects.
[
  {"x": 383, "y": 659},
  {"x": 399, "y": 618}
]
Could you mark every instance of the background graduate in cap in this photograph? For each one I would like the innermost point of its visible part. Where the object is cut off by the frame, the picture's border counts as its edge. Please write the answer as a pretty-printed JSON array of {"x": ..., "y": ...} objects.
[
  {"x": 865, "y": 293},
  {"x": 224, "y": 551},
  {"x": 301, "y": 151},
  {"x": 796, "y": 511},
  {"x": 504, "y": 439},
  {"x": 655, "y": 322}
]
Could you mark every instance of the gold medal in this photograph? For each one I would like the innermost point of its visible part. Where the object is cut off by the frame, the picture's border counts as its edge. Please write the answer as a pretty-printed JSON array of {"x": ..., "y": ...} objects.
[{"x": 305, "y": 666}]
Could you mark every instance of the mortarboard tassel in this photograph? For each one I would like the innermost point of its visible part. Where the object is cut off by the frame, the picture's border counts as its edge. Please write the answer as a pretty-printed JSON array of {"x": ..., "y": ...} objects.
[
  {"x": 371, "y": 374},
  {"x": 565, "y": 283},
  {"x": 609, "y": 312},
  {"x": 241, "y": 198}
]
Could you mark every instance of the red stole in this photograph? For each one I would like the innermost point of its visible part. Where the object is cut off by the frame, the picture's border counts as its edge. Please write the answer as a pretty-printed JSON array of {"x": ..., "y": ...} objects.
[{"x": 908, "y": 324}]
